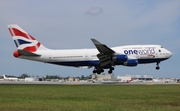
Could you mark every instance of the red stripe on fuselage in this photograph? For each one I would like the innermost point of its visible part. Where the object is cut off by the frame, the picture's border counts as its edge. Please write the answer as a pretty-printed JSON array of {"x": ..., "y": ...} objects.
[{"x": 19, "y": 33}]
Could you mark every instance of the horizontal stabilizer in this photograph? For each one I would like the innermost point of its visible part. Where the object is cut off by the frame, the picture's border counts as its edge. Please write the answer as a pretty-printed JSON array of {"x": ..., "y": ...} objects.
[{"x": 26, "y": 53}]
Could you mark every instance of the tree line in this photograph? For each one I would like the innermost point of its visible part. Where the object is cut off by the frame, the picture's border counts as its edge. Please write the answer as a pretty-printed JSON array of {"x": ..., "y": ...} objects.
[{"x": 82, "y": 77}]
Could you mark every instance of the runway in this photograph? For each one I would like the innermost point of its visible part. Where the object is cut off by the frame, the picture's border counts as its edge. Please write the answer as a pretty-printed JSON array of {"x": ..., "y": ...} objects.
[{"x": 85, "y": 83}]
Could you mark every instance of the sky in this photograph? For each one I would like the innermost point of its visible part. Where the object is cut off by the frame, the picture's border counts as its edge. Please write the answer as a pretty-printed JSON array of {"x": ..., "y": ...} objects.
[{"x": 69, "y": 24}]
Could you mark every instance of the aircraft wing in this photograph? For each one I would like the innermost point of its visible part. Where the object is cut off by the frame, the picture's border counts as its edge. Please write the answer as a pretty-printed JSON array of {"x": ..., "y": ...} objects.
[
  {"x": 102, "y": 48},
  {"x": 105, "y": 55}
]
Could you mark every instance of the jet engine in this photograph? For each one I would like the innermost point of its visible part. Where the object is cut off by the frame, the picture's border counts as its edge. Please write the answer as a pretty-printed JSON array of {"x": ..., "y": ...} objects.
[
  {"x": 120, "y": 58},
  {"x": 131, "y": 62}
]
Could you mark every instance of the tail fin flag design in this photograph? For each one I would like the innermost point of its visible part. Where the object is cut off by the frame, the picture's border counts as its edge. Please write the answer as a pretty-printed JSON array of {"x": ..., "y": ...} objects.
[{"x": 23, "y": 40}]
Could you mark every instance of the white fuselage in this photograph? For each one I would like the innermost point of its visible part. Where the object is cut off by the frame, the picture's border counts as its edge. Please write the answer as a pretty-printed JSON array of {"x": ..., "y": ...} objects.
[{"x": 88, "y": 57}]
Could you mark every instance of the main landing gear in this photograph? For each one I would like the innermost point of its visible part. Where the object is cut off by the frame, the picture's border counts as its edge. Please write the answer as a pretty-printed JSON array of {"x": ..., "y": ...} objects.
[
  {"x": 111, "y": 70},
  {"x": 100, "y": 70},
  {"x": 157, "y": 67}
]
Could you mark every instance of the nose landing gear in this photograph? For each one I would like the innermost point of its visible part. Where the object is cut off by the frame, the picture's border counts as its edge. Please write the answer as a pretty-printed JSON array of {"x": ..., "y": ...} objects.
[{"x": 157, "y": 67}]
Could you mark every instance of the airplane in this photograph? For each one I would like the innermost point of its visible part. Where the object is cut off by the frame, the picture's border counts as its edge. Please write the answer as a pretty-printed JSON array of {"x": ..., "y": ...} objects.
[
  {"x": 103, "y": 57},
  {"x": 10, "y": 78}
]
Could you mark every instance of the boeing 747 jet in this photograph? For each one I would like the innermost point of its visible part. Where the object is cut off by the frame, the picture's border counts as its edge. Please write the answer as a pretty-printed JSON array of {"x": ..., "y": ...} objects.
[{"x": 103, "y": 57}]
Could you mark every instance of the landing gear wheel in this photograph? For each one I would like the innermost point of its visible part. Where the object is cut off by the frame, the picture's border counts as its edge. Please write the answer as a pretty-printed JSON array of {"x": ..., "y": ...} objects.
[
  {"x": 110, "y": 71},
  {"x": 102, "y": 70},
  {"x": 94, "y": 71},
  {"x": 99, "y": 71},
  {"x": 112, "y": 68},
  {"x": 157, "y": 68}
]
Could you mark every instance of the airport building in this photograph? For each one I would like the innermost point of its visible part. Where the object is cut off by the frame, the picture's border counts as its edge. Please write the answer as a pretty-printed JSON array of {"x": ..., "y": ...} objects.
[
  {"x": 123, "y": 78},
  {"x": 29, "y": 79},
  {"x": 75, "y": 79},
  {"x": 135, "y": 78},
  {"x": 143, "y": 78},
  {"x": 103, "y": 76},
  {"x": 126, "y": 78}
]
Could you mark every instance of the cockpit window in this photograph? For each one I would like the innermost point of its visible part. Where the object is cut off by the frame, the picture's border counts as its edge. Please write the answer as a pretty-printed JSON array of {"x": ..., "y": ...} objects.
[{"x": 161, "y": 46}]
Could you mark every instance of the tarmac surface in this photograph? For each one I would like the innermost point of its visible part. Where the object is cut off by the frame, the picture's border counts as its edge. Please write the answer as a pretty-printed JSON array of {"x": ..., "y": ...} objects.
[{"x": 84, "y": 83}]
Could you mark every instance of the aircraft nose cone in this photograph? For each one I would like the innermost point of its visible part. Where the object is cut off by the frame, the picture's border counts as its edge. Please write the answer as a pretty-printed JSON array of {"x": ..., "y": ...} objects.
[{"x": 170, "y": 54}]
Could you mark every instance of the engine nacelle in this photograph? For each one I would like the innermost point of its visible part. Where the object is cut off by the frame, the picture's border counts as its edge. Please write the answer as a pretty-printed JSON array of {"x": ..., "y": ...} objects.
[
  {"x": 120, "y": 58},
  {"x": 131, "y": 62}
]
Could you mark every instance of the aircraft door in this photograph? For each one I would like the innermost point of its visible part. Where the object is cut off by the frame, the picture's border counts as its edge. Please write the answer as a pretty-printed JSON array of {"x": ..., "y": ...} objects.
[{"x": 50, "y": 58}]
